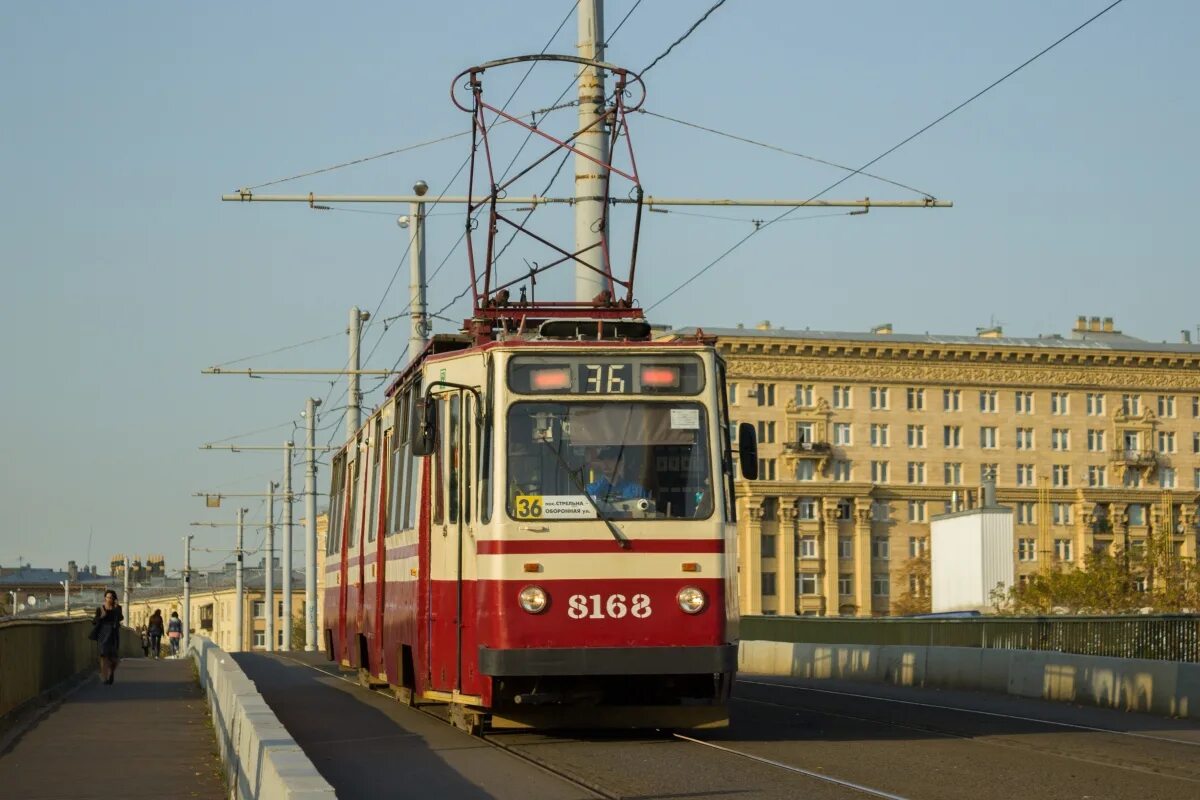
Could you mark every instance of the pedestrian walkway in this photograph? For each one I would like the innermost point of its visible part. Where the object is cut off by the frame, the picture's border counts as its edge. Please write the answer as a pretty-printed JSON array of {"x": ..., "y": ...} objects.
[{"x": 146, "y": 736}]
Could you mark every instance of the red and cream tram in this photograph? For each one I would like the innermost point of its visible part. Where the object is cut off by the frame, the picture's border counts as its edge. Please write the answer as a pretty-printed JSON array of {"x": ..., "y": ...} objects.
[
  {"x": 537, "y": 526},
  {"x": 541, "y": 531}
]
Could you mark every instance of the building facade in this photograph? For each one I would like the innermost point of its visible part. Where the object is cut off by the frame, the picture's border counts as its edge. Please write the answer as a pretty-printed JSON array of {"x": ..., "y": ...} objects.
[{"x": 1093, "y": 438}]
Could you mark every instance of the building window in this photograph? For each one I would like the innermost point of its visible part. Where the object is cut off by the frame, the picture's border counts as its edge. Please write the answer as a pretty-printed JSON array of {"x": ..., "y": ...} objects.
[
  {"x": 1026, "y": 550},
  {"x": 1166, "y": 442},
  {"x": 1166, "y": 405},
  {"x": 916, "y": 399},
  {"x": 1060, "y": 439},
  {"x": 1096, "y": 476},
  {"x": 804, "y": 395},
  {"x": 1026, "y": 513},
  {"x": 879, "y": 398},
  {"x": 1060, "y": 403},
  {"x": 952, "y": 473},
  {"x": 916, "y": 510},
  {"x": 952, "y": 436},
  {"x": 1095, "y": 404},
  {"x": 845, "y": 547},
  {"x": 260, "y": 639},
  {"x": 988, "y": 438},
  {"x": 1061, "y": 513},
  {"x": 1062, "y": 549},
  {"x": 765, "y": 393},
  {"x": 1196, "y": 407},
  {"x": 952, "y": 400},
  {"x": 1196, "y": 478},
  {"x": 879, "y": 435},
  {"x": 881, "y": 511},
  {"x": 259, "y": 609},
  {"x": 879, "y": 472},
  {"x": 1196, "y": 442},
  {"x": 1024, "y": 438},
  {"x": 768, "y": 584},
  {"x": 917, "y": 546},
  {"x": 1024, "y": 402},
  {"x": 880, "y": 547},
  {"x": 806, "y": 583},
  {"x": 804, "y": 432},
  {"x": 916, "y": 436},
  {"x": 805, "y": 470},
  {"x": 1133, "y": 478},
  {"x": 880, "y": 586},
  {"x": 916, "y": 472},
  {"x": 1062, "y": 475},
  {"x": 768, "y": 545},
  {"x": 841, "y": 471},
  {"x": 1137, "y": 513},
  {"x": 733, "y": 394},
  {"x": 844, "y": 509},
  {"x": 1095, "y": 440},
  {"x": 841, "y": 433},
  {"x": 1139, "y": 585},
  {"x": 845, "y": 585},
  {"x": 806, "y": 508},
  {"x": 987, "y": 401},
  {"x": 1166, "y": 477},
  {"x": 842, "y": 397},
  {"x": 1025, "y": 475},
  {"x": 766, "y": 432},
  {"x": 808, "y": 547},
  {"x": 1131, "y": 404},
  {"x": 766, "y": 469}
]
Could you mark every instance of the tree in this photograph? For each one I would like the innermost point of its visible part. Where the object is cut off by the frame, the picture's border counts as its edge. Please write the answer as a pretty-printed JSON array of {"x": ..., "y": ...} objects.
[
  {"x": 917, "y": 571},
  {"x": 299, "y": 632}
]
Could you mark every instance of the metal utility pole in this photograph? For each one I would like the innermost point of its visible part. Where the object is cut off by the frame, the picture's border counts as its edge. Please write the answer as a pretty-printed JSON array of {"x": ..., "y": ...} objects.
[
  {"x": 125, "y": 586},
  {"x": 239, "y": 613},
  {"x": 66, "y": 597},
  {"x": 187, "y": 591},
  {"x": 286, "y": 584},
  {"x": 353, "y": 396},
  {"x": 269, "y": 572},
  {"x": 310, "y": 527},
  {"x": 590, "y": 178},
  {"x": 415, "y": 222}
]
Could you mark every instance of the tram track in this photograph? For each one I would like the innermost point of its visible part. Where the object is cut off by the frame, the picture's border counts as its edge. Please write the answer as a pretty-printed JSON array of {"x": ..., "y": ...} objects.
[{"x": 494, "y": 740}]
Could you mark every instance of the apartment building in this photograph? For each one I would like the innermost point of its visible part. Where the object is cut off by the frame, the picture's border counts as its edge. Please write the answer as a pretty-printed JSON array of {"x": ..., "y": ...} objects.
[{"x": 1093, "y": 437}]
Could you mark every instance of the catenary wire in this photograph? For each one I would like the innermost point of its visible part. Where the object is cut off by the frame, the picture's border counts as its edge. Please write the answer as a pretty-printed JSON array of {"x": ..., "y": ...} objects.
[
  {"x": 890, "y": 150},
  {"x": 686, "y": 34}
]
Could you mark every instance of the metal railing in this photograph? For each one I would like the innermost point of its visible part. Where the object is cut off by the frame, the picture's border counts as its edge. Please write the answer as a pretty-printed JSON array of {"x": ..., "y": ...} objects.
[{"x": 1167, "y": 637}]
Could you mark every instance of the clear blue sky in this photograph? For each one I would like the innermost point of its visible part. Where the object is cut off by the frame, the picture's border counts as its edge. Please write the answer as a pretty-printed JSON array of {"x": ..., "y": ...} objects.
[{"x": 124, "y": 276}]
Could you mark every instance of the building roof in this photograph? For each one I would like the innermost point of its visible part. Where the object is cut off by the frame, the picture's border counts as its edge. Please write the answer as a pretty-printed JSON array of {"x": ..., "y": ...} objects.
[
  {"x": 26, "y": 577},
  {"x": 1089, "y": 340}
]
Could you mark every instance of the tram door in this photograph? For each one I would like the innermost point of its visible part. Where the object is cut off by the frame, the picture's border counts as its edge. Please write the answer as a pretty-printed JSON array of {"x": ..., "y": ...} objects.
[{"x": 450, "y": 499}]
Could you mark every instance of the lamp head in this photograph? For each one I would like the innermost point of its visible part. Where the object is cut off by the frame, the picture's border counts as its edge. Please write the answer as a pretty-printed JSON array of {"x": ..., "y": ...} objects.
[{"x": 420, "y": 188}]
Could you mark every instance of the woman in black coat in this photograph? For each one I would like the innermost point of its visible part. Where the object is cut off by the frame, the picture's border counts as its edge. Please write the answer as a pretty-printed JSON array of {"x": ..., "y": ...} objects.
[
  {"x": 106, "y": 630},
  {"x": 155, "y": 629}
]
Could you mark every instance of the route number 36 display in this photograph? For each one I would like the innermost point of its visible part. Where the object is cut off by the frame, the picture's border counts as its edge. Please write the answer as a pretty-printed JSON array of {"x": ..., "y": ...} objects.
[{"x": 596, "y": 606}]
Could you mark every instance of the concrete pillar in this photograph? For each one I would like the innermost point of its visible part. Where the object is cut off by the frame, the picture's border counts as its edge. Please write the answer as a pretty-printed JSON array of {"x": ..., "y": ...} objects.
[
  {"x": 751, "y": 562},
  {"x": 829, "y": 560},
  {"x": 1187, "y": 515},
  {"x": 785, "y": 553},
  {"x": 862, "y": 556}
]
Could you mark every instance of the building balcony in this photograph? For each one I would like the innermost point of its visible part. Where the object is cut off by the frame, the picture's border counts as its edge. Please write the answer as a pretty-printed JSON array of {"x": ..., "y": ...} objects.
[
  {"x": 814, "y": 449},
  {"x": 1135, "y": 458}
]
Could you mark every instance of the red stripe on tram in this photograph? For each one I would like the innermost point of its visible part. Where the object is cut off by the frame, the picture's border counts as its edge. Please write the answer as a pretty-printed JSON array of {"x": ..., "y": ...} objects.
[{"x": 499, "y": 547}]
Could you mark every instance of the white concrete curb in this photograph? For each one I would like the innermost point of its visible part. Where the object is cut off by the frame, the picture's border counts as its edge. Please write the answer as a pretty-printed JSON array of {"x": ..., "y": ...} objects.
[
  {"x": 1159, "y": 687},
  {"x": 262, "y": 760}
]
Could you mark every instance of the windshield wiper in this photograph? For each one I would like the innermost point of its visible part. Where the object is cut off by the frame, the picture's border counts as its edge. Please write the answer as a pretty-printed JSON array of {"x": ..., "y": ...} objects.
[{"x": 621, "y": 538}]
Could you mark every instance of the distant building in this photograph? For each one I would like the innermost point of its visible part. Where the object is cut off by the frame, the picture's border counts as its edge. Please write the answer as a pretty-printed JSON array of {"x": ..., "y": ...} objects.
[
  {"x": 45, "y": 585},
  {"x": 864, "y": 437}
]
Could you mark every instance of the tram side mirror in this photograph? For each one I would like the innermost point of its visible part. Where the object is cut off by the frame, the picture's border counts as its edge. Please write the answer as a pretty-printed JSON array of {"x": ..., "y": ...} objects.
[
  {"x": 424, "y": 435},
  {"x": 748, "y": 451}
]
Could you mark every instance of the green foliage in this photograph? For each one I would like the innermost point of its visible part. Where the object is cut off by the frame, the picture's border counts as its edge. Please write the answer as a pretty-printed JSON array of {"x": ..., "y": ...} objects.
[
  {"x": 920, "y": 602},
  {"x": 298, "y": 632}
]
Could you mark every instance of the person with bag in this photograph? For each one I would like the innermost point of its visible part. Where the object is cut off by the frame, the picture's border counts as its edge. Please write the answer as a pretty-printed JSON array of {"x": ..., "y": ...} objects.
[
  {"x": 175, "y": 633},
  {"x": 106, "y": 632},
  {"x": 155, "y": 629}
]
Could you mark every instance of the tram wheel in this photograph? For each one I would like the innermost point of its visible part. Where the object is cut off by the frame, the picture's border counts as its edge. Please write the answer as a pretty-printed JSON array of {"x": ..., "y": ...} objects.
[{"x": 466, "y": 720}]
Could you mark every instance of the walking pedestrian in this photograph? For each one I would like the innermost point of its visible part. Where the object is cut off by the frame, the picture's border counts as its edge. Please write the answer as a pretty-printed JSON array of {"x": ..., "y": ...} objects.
[
  {"x": 155, "y": 628},
  {"x": 175, "y": 633},
  {"x": 145, "y": 641},
  {"x": 106, "y": 631}
]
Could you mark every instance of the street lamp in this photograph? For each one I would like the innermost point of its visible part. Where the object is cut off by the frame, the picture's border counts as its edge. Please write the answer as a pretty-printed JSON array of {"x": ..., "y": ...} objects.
[{"x": 66, "y": 595}]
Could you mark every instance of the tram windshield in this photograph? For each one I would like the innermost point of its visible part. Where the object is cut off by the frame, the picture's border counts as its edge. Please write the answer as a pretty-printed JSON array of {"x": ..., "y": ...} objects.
[{"x": 588, "y": 460}]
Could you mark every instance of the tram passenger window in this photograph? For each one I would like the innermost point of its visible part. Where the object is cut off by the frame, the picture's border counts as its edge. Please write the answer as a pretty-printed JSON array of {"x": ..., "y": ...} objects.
[
  {"x": 333, "y": 522},
  {"x": 414, "y": 462},
  {"x": 372, "y": 499},
  {"x": 352, "y": 511},
  {"x": 468, "y": 422},
  {"x": 633, "y": 460},
  {"x": 453, "y": 458},
  {"x": 399, "y": 463},
  {"x": 439, "y": 459}
]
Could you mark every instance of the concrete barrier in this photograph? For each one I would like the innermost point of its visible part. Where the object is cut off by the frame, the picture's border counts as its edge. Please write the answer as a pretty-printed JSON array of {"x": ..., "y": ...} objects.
[
  {"x": 262, "y": 761},
  {"x": 40, "y": 655},
  {"x": 1159, "y": 687}
]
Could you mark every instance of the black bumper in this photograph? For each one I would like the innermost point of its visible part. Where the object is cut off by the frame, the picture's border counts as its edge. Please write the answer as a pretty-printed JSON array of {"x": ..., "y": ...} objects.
[{"x": 609, "y": 660}]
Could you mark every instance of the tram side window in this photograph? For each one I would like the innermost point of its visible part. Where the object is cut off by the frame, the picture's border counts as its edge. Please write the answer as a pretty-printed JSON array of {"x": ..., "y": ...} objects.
[
  {"x": 439, "y": 458},
  {"x": 414, "y": 462},
  {"x": 337, "y": 484},
  {"x": 352, "y": 510},
  {"x": 468, "y": 423},
  {"x": 372, "y": 498},
  {"x": 396, "y": 465},
  {"x": 453, "y": 445}
]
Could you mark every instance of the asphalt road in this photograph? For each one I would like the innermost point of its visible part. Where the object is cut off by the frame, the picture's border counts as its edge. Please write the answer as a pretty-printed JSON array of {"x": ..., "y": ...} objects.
[{"x": 788, "y": 739}]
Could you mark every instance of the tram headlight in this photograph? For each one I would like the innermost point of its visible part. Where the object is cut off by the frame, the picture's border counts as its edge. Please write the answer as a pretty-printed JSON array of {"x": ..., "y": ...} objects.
[
  {"x": 533, "y": 599},
  {"x": 691, "y": 600}
]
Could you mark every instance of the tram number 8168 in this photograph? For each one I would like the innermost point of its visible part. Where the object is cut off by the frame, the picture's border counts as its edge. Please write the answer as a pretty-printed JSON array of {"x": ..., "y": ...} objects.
[{"x": 615, "y": 606}]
